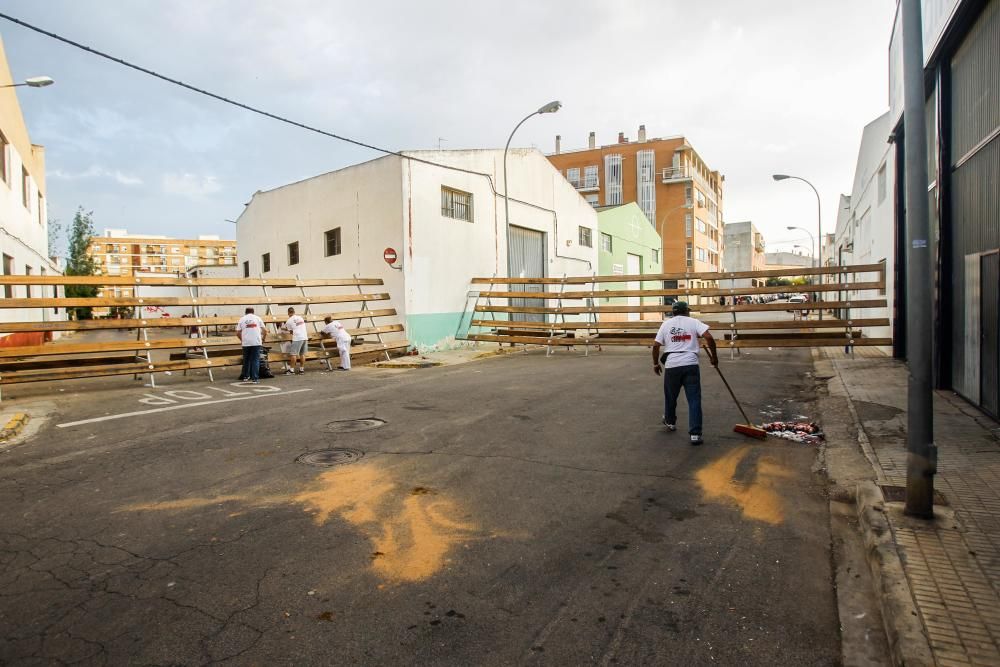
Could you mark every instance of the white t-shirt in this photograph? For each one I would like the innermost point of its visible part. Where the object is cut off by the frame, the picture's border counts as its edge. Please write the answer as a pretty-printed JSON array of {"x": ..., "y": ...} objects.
[
  {"x": 251, "y": 326},
  {"x": 679, "y": 336},
  {"x": 297, "y": 326},
  {"x": 337, "y": 330}
]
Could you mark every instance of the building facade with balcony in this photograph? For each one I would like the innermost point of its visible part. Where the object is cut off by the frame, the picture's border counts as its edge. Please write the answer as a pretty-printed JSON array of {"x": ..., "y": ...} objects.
[
  {"x": 118, "y": 253},
  {"x": 744, "y": 252},
  {"x": 24, "y": 240},
  {"x": 677, "y": 191}
]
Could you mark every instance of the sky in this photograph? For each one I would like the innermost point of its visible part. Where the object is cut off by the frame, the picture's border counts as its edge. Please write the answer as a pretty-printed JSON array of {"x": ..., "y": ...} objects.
[{"x": 773, "y": 86}]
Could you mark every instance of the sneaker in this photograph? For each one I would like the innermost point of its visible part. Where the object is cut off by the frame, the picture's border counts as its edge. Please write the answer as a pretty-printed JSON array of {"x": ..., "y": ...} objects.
[
  {"x": 670, "y": 427},
  {"x": 255, "y": 382},
  {"x": 289, "y": 371},
  {"x": 301, "y": 371},
  {"x": 696, "y": 440}
]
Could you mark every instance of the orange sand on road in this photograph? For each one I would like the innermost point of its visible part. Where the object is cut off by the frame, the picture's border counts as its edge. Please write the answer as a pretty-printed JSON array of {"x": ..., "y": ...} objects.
[{"x": 757, "y": 499}]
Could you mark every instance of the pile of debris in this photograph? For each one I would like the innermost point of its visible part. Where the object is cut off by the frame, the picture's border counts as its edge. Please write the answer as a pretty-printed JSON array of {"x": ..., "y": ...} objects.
[{"x": 807, "y": 433}]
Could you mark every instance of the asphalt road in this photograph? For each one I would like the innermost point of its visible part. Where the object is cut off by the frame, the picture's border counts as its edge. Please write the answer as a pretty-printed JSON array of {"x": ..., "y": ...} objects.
[{"x": 516, "y": 510}]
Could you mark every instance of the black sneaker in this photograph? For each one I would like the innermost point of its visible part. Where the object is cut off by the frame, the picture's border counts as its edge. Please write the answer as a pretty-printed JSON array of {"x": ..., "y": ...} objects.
[
  {"x": 670, "y": 427},
  {"x": 696, "y": 440}
]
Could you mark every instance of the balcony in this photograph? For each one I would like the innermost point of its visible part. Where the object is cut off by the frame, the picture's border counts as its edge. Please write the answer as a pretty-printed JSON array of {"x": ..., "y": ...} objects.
[
  {"x": 586, "y": 184},
  {"x": 680, "y": 173}
]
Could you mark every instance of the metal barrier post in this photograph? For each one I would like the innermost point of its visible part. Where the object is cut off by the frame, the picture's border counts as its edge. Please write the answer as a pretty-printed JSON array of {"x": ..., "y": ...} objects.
[{"x": 364, "y": 307}]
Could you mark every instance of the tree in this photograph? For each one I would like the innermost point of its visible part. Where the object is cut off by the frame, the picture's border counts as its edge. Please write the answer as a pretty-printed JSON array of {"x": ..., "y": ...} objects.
[
  {"x": 79, "y": 263},
  {"x": 54, "y": 230}
]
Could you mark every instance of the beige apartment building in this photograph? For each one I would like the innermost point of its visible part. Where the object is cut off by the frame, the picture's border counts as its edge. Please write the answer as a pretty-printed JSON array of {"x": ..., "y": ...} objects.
[
  {"x": 680, "y": 194},
  {"x": 118, "y": 253}
]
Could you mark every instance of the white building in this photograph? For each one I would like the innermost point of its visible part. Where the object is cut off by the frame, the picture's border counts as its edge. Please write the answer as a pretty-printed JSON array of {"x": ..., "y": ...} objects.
[
  {"x": 442, "y": 212},
  {"x": 744, "y": 246},
  {"x": 865, "y": 220},
  {"x": 24, "y": 242}
]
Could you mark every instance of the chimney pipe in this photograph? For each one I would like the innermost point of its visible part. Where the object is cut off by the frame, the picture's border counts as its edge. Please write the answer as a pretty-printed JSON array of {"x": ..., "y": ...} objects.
[
  {"x": 642, "y": 133},
  {"x": 558, "y": 144},
  {"x": 621, "y": 138},
  {"x": 592, "y": 141}
]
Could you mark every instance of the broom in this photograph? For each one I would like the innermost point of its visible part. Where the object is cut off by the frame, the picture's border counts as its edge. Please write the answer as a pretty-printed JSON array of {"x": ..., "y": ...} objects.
[{"x": 748, "y": 428}]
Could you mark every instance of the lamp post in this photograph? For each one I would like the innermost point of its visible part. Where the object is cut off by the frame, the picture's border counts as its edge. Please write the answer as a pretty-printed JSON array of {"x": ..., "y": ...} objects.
[
  {"x": 32, "y": 82},
  {"x": 551, "y": 107},
  {"x": 812, "y": 242},
  {"x": 819, "y": 219}
]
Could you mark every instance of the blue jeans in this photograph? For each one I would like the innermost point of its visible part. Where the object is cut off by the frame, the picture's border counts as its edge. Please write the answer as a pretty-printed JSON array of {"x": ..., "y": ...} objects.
[
  {"x": 251, "y": 362},
  {"x": 688, "y": 377}
]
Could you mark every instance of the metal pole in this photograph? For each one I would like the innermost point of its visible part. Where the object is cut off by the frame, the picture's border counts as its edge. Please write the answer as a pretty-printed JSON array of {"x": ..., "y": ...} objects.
[
  {"x": 921, "y": 459},
  {"x": 506, "y": 201}
]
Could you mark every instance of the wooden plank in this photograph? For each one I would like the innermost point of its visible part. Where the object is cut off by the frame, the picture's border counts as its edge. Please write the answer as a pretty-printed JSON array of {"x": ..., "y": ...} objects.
[
  {"x": 640, "y": 342},
  {"x": 163, "y": 344},
  {"x": 71, "y": 373},
  {"x": 699, "y": 291},
  {"x": 653, "y": 325},
  {"x": 98, "y": 302},
  {"x": 94, "y": 325},
  {"x": 163, "y": 281},
  {"x": 725, "y": 275},
  {"x": 698, "y": 308}
]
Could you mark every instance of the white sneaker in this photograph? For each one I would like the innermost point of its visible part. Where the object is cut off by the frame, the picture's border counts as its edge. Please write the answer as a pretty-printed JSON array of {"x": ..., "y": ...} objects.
[
  {"x": 670, "y": 427},
  {"x": 696, "y": 440}
]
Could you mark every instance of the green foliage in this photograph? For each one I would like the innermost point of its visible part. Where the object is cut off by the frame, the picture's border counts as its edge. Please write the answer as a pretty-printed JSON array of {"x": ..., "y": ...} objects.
[
  {"x": 79, "y": 263},
  {"x": 54, "y": 231},
  {"x": 785, "y": 282}
]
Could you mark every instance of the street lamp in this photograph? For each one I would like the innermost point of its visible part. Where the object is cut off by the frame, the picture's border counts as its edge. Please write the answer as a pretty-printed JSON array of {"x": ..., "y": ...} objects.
[
  {"x": 32, "y": 82},
  {"x": 551, "y": 107},
  {"x": 819, "y": 219},
  {"x": 812, "y": 241}
]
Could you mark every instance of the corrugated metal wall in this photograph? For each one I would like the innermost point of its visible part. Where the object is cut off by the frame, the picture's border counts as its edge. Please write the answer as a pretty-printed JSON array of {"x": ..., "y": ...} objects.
[
  {"x": 990, "y": 343},
  {"x": 974, "y": 150},
  {"x": 527, "y": 260}
]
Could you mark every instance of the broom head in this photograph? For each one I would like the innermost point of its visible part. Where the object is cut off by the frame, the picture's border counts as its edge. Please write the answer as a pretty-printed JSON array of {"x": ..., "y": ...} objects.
[{"x": 750, "y": 430}]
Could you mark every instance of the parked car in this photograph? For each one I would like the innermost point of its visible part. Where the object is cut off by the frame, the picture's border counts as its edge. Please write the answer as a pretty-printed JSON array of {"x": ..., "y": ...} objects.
[{"x": 798, "y": 298}]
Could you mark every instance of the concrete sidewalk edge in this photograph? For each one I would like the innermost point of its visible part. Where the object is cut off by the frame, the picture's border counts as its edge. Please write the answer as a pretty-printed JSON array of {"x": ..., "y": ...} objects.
[
  {"x": 904, "y": 629},
  {"x": 14, "y": 426}
]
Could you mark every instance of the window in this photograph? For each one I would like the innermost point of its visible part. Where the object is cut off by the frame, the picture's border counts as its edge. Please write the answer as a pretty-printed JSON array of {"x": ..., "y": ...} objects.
[
  {"x": 175, "y": 248},
  {"x": 606, "y": 242},
  {"x": 590, "y": 176},
  {"x": 702, "y": 256},
  {"x": 246, "y": 269},
  {"x": 687, "y": 195},
  {"x": 41, "y": 209},
  {"x": 883, "y": 277},
  {"x": 27, "y": 288},
  {"x": 332, "y": 238},
  {"x": 656, "y": 256},
  {"x": 265, "y": 262},
  {"x": 585, "y": 237},
  {"x": 613, "y": 180},
  {"x": 881, "y": 184},
  {"x": 702, "y": 201},
  {"x": 193, "y": 251},
  {"x": 293, "y": 253},
  {"x": 3, "y": 159},
  {"x": 700, "y": 226},
  {"x": 687, "y": 255},
  {"x": 573, "y": 176},
  {"x": 592, "y": 200},
  {"x": 25, "y": 188},
  {"x": 688, "y": 229},
  {"x": 456, "y": 204},
  {"x": 8, "y": 269}
]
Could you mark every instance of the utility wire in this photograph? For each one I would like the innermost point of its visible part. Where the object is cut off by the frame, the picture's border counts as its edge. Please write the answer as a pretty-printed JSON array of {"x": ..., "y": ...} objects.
[{"x": 226, "y": 100}]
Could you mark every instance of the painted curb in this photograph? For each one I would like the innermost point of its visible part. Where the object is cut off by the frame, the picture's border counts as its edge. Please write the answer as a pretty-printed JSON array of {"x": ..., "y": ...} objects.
[
  {"x": 407, "y": 364},
  {"x": 904, "y": 628},
  {"x": 14, "y": 426}
]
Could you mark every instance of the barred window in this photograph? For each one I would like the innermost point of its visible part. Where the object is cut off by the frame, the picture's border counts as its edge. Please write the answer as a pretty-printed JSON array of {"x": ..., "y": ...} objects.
[
  {"x": 606, "y": 242},
  {"x": 456, "y": 204},
  {"x": 333, "y": 246},
  {"x": 586, "y": 239}
]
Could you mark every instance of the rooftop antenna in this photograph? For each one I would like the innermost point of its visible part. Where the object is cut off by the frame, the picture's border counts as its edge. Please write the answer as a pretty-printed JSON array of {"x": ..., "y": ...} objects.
[{"x": 440, "y": 139}]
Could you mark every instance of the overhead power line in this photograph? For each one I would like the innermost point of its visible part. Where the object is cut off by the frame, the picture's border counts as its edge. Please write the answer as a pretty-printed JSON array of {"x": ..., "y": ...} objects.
[{"x": 241, "y": 105}]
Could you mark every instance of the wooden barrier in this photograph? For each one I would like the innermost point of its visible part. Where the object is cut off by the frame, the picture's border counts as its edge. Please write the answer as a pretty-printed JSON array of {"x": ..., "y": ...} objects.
[
  {"x": 62, "y": 360},
  {"x": 841, "y": 300}
]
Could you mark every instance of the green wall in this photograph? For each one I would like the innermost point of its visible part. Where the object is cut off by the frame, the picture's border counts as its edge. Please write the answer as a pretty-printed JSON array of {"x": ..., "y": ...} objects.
[{"x": 631, "y": 233}]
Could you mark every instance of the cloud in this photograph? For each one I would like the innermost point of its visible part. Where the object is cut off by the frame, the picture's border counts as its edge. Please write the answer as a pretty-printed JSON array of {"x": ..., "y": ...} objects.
[
  {"x": 190, "y": 185},
  {"x": 95, "y": 171}
]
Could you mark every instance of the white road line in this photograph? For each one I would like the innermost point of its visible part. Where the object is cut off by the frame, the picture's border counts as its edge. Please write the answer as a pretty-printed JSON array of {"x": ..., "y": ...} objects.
[{"x": 177, "y": 407}]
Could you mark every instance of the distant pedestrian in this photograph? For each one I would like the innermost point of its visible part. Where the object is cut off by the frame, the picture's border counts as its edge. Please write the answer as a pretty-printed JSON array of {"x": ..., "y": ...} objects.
[
  {"x": 251, "y": 331},
  {"x": 336, "y": 330},
  {"x": 679, "y": 335},
  {"x": 300, "y": 342}
]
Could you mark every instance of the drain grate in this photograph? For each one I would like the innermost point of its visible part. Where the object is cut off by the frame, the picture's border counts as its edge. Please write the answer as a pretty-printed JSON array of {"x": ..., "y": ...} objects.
[
  {"x": 897, "y": 494},
  {"x": 354, "y": 425},
  {"x": 326, "y": 458}
]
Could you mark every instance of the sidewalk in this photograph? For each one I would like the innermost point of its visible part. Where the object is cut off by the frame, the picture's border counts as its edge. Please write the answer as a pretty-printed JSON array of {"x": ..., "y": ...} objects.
[{"x": 952, "y": 564}]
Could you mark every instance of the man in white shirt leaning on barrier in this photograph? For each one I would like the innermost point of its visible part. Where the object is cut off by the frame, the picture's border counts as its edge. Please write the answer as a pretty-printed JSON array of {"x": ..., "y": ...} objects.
[
  {"x": 336, "y": 330},
  {"x": 299, "y": 346}
]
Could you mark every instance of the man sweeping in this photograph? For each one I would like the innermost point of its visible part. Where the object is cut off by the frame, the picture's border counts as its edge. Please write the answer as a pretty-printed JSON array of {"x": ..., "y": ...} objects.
[{"x": 679, "y": 336}]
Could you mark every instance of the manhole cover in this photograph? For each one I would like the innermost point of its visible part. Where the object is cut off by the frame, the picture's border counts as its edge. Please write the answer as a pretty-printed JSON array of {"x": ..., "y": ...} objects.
[
  {"x": 331, "y": 457},
  {"x": 354, "y": 425}
]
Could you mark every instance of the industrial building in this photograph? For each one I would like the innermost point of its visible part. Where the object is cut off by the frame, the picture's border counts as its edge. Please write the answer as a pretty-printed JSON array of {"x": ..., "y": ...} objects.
[
  {"x": 437, "y": 215},
  {"x": 744, "y": 252}
]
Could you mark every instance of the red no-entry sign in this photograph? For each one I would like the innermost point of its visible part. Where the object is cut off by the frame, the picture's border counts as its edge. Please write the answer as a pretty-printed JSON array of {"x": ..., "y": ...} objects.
[{"x": 389, "y": 255}]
